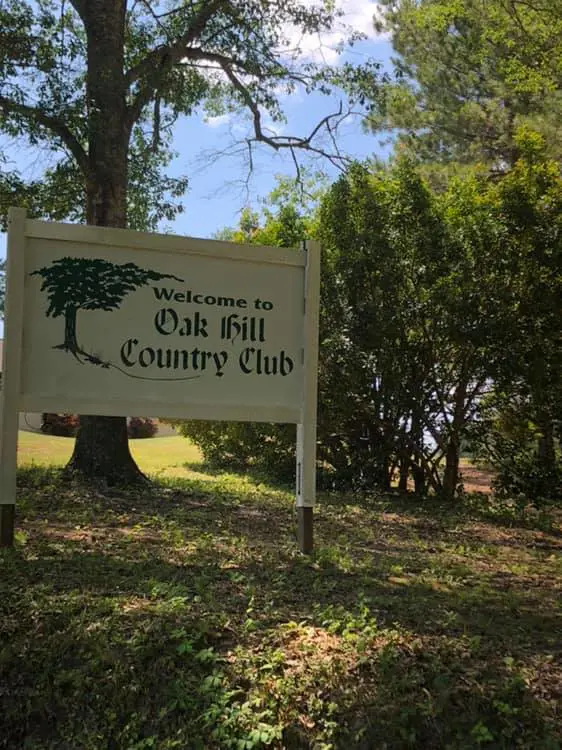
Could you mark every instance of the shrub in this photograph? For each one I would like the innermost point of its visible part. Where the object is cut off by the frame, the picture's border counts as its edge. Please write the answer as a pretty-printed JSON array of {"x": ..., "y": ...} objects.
[
  {"x": 507, "y": 438},
  {"x": 242, "y": 445},
  {"x": 141, "y": 427},
  {"x": 61, "y": 425},
  {"x": 520, "y": 476}
]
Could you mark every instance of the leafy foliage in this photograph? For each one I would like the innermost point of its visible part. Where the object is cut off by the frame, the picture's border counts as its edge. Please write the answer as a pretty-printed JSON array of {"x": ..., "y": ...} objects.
[
  {"x": 241, "y": 446},
  {"x": 60, "y": 194},
  {"x": 141, "y": 427},
  {"x": 429, "y": 298},
  {"x": 518, "y": 430},
  {"x": 61, "y": 425},
  {"x": 470, "y": 73},
  {"x": 506, "y": 436}
]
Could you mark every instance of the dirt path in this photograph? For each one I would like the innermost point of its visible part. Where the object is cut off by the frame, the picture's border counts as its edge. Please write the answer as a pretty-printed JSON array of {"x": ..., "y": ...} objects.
[{"x": 476, "y": 479}]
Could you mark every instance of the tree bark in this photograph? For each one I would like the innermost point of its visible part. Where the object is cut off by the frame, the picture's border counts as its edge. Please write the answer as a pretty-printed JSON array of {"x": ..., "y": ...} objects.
[
  {"x": 404, "y": 472},
  {"x": 451, "y": 475},
  {"x": 452, "y": 453},
  {"x": 101, "y": 450}
]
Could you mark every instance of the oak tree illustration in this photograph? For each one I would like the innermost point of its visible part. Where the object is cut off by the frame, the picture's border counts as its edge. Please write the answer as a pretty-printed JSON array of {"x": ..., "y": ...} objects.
[{"x": 74, "y": 284}]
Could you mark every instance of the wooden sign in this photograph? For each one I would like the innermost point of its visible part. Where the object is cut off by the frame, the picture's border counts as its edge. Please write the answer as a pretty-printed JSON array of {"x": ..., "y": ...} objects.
[{"x": 115, "y": 322}]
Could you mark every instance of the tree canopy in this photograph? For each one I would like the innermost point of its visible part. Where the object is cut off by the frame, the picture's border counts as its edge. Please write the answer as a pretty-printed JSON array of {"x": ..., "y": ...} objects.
[
  {"x": 432, "y": 300},
  {"x": 470, "y": 73},
  {"x": 76, "y": 75}
]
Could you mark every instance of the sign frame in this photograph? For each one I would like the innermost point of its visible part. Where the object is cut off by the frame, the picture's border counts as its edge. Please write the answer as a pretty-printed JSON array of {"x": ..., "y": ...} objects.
[{"x": 12, "y": 401}]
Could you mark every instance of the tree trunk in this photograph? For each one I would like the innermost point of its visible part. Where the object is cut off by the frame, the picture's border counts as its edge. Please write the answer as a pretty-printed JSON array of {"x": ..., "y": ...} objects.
[
  {"x": 416, "y": 464},
  {"x": 404, "y": 467},
  {"x": 451, "y": 475},
  {"x": 419, "y": 479},
  {"x": 452, "y": 454},
  {"x": 404, "y": 473},
  {"x": 382, "y": 462},
  {"x": 101, "y": 450},
  {"x": 546, "y": 452}
]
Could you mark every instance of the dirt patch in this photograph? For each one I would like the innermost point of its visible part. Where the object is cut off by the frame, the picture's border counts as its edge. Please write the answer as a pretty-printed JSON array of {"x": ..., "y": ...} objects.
[{"x": 475, "y": 479}]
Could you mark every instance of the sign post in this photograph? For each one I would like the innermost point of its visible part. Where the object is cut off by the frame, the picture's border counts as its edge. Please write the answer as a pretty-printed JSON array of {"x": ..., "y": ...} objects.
[
  {"x": 115, "y": 322},
  {"x": 306, "y": 429},
  {"x": 11, "y": 368}
]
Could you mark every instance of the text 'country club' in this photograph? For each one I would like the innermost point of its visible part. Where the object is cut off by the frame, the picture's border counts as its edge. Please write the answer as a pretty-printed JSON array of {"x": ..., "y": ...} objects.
[{"x": 233, "y": 328}]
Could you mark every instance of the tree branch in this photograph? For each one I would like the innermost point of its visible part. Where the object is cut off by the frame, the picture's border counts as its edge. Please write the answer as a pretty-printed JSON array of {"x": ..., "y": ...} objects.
[
  {"x": 57, "y": 126},
  {"x": 159, "y": 61},
  {"x": 287, "y": 142},
  {"x": 156, "y": 17}
]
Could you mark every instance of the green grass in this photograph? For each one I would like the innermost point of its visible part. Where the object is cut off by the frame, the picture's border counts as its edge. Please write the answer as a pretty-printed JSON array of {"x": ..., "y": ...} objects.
[
  {"x": 183, "y": 617},
  {"x": 165, "y": 456}
]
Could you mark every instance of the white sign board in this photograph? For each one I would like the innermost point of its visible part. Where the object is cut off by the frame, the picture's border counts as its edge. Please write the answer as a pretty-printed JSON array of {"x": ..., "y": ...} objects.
[{"x": 114, "y": 322}]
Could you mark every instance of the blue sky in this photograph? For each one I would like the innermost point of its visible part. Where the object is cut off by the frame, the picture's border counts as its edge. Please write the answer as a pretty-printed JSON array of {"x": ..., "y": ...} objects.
[{"x": 217, "y": 191}]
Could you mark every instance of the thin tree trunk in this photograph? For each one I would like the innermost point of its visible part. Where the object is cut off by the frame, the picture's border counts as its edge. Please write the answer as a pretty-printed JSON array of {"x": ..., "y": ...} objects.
[
  {"x": 404, "y": 462},
  {"x": 416, "y": 465},
  {"x": 101, "y": 450},
  {"x": 383, "y": 462},
  {"x": 546, "y": 452},
  {"x": 404, "y": 472},
  {"x": 451, "y": 475},
  {"x": 419, "y": 479},
  {"x": 452, "y": 453}
]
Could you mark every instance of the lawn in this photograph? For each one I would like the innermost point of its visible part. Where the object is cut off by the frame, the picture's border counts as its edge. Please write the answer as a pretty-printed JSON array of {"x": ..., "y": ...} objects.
[
  {"x": 184, "y": 617},
  {"x": 163, "y": 456}
]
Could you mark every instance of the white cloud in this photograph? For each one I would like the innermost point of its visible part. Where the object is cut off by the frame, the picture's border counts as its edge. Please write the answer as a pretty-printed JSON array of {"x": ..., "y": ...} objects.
[
  {"x": 357, "y": 17},
  {"x": 218, "y": 121}
]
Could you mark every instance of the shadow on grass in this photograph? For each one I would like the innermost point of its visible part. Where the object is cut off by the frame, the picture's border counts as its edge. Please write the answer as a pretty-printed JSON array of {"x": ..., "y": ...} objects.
[
  {"x": 186, "y": 616},
  {"x": 94, "y": 666},
  {"x": 418, "y": 566},
  {"x": 251, "y": 473},
  {"x": 473, "y": 506}
]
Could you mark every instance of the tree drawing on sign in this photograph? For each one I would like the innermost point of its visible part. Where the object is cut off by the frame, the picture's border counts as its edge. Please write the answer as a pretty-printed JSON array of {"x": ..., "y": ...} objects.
[{"x": 74, "y": 284}]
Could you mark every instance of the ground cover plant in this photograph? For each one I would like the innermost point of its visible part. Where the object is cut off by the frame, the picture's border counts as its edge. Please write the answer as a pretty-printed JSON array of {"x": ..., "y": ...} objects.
[{"x": 184, "y": 617}]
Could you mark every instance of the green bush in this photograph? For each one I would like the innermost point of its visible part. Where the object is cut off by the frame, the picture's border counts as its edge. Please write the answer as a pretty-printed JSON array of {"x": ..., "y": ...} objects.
[
  {"x": 141, "y": 427},
  {"x": 520, "y": 476},
  {"x": 239, "y": 446},
  {"x": 506, "y": 438},
  {"x": 60, "y": 425}
]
